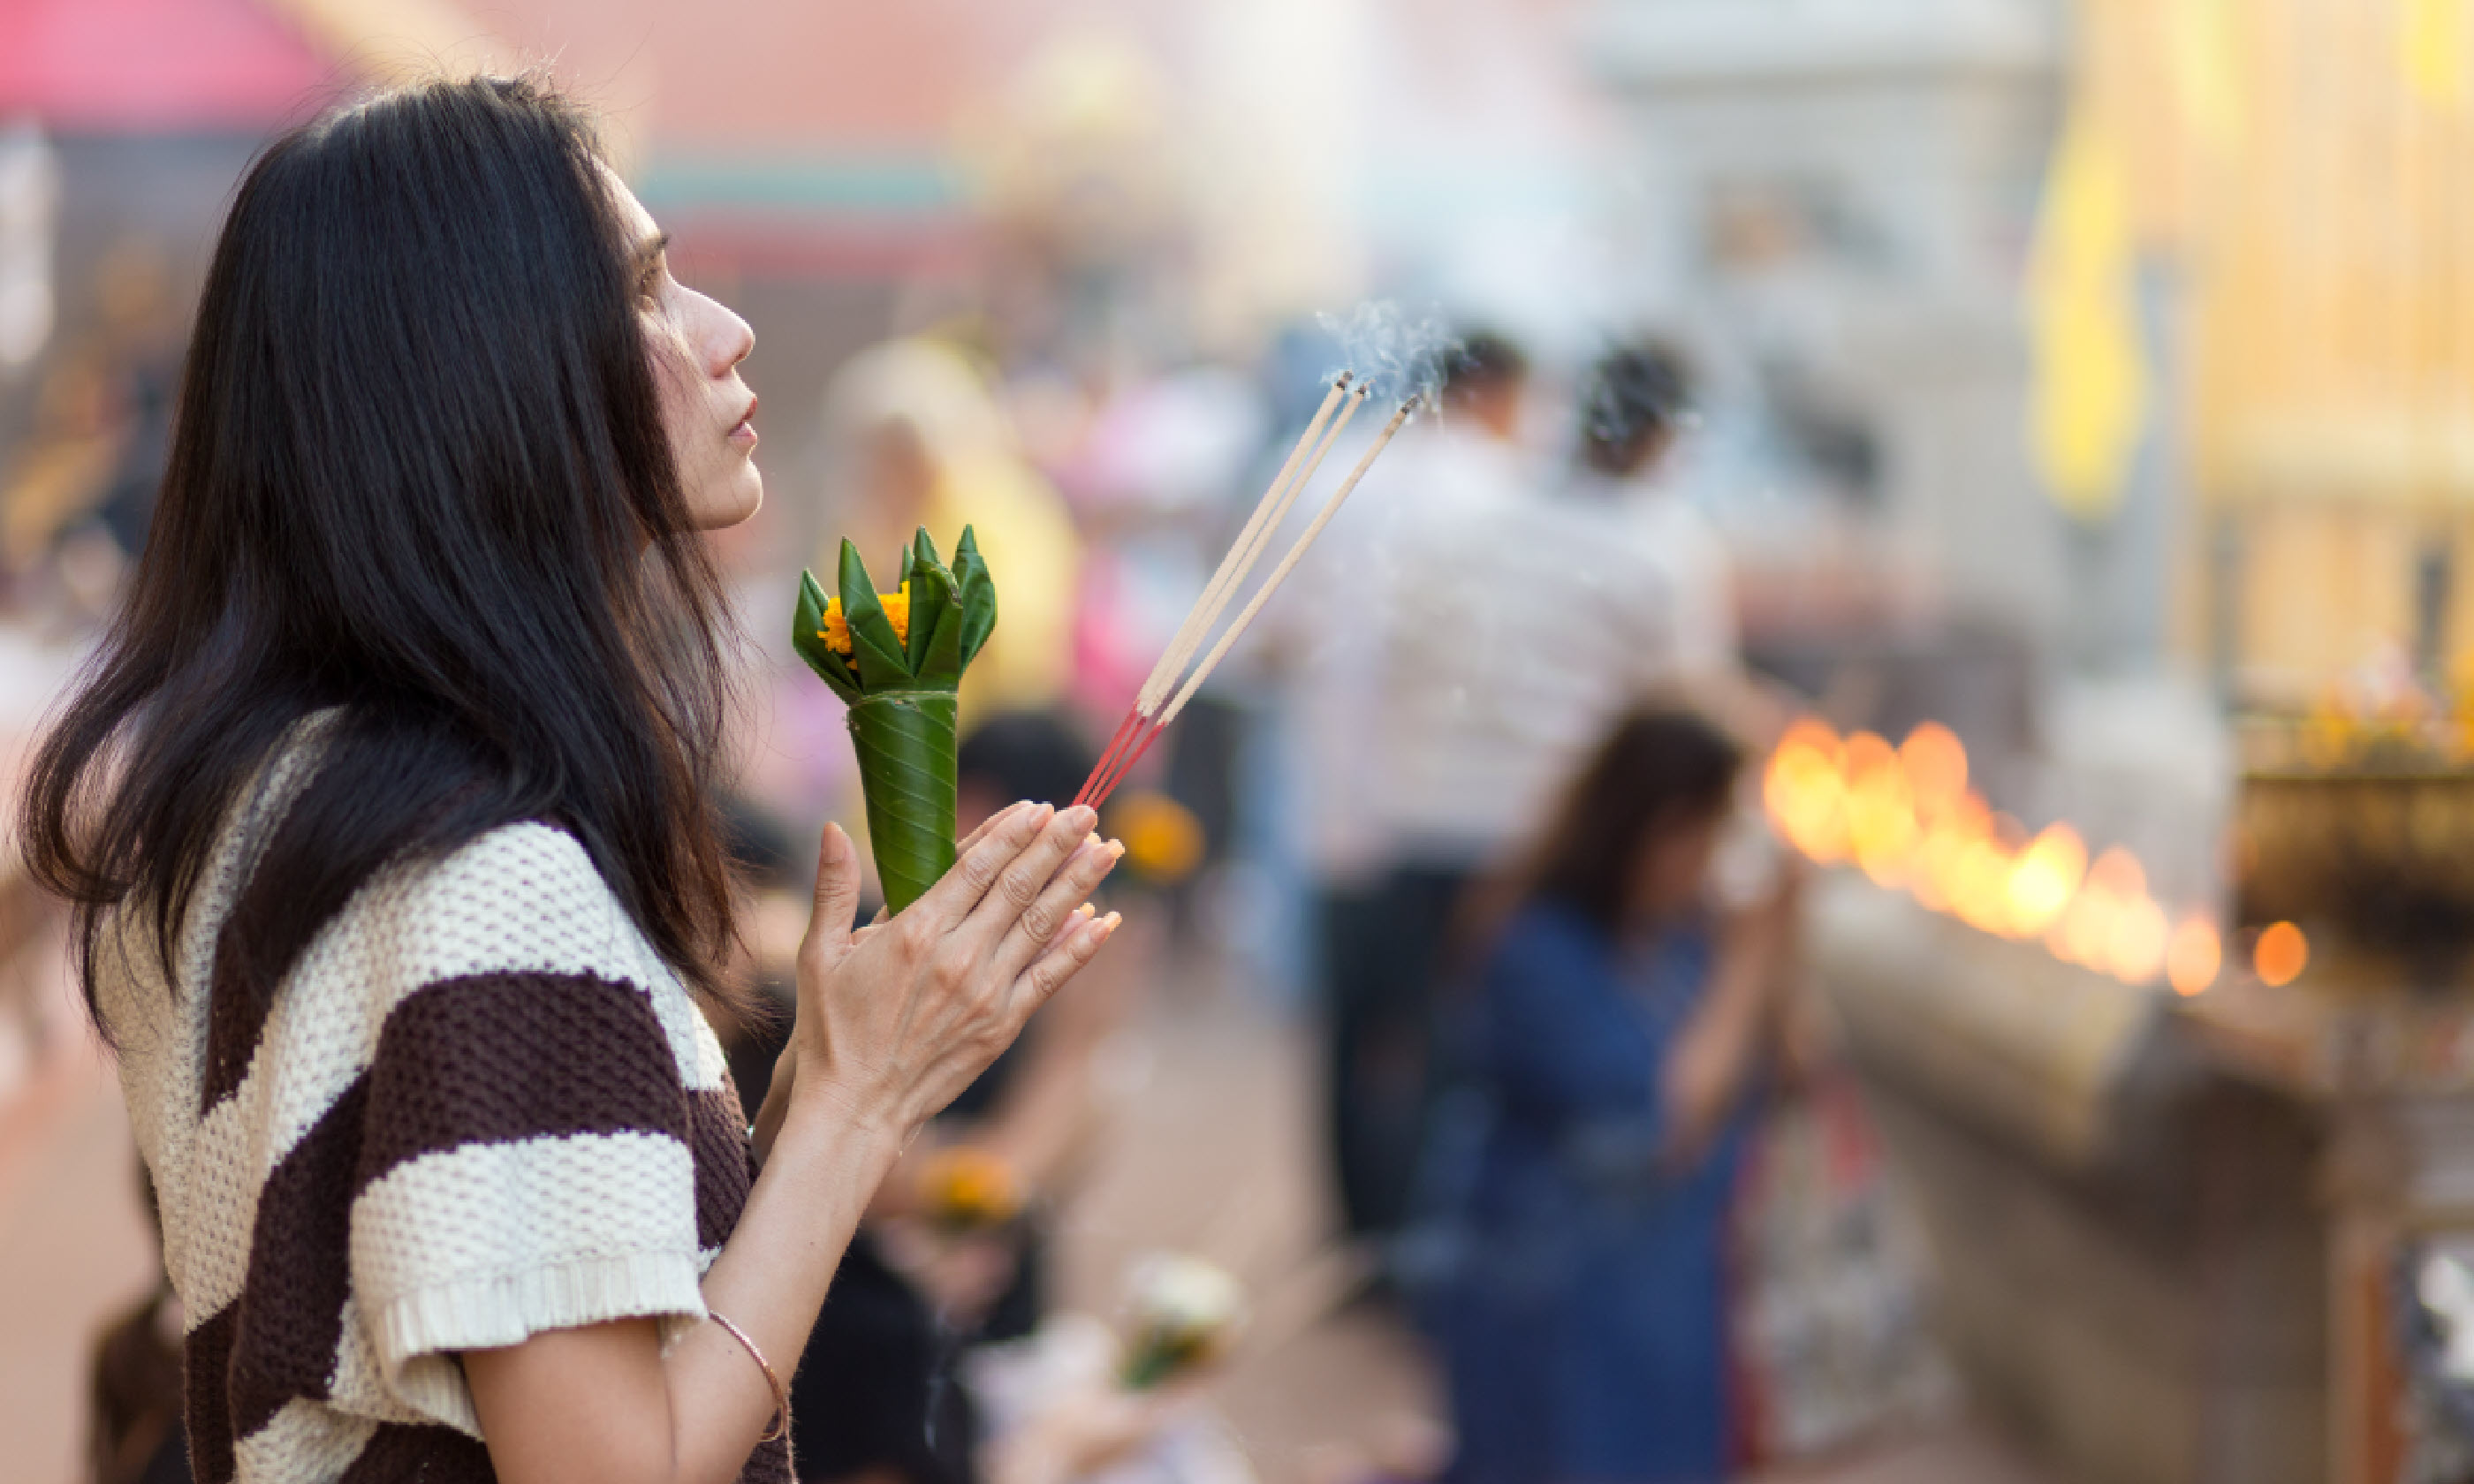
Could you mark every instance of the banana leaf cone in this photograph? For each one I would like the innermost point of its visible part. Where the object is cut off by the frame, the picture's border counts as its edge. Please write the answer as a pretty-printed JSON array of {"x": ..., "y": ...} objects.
[{"x": 897, "y": 659}]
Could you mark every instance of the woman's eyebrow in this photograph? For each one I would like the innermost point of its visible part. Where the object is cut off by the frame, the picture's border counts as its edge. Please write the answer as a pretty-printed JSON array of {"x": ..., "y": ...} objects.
[{"x": 651, "y": 249}]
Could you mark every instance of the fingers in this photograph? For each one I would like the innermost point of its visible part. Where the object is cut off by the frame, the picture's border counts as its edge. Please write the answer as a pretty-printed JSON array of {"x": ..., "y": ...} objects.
[
  {"x": 1060, "y": 964},
  {"x": 836, "y": 899},
  {"x": 963, "y": 846},
  {"x": 1054, "y": 907},
  {"x": 975, "y": 870},
  {"x": 1018, "y": 886}
]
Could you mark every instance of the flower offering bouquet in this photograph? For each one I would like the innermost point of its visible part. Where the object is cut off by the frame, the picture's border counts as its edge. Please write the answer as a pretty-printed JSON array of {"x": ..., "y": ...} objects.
[{"x": 897, "y": 658}]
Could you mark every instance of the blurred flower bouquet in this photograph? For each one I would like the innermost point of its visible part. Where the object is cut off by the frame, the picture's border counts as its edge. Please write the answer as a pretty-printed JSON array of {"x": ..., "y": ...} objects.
[
  {"x": 1181, "y": 1314},
  {"x": 897, "y": 659}
]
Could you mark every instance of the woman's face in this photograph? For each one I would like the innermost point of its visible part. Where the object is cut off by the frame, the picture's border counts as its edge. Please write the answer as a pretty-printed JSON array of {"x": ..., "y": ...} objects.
[
  {"x": 696, "y": 345},
  {"x": 1669, "y": 875}
]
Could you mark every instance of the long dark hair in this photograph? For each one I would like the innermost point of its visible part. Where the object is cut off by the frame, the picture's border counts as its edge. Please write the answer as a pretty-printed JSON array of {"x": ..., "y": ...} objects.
[
  {"x": 1662, "y": 767},
  {"x": 419, "y": 475}
]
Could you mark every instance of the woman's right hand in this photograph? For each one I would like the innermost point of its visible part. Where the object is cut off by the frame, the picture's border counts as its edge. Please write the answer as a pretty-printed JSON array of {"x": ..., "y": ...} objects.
[{"x": 895, "y": 1019}]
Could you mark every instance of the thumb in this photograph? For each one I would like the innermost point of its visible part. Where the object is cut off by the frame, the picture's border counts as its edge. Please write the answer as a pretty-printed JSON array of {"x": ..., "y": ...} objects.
[{"x": 836, "y": 904}]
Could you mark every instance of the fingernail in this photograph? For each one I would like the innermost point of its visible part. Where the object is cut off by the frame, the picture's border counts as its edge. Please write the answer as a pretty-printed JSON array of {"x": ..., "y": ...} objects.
[
  {"x": 1085, "y": 815},
  {"x": 1040, "y": 816},
  {"x": 1117, "y": 849},
  {"x": 1085, "y": 911},
  {"x": 1107, "y": 926}
]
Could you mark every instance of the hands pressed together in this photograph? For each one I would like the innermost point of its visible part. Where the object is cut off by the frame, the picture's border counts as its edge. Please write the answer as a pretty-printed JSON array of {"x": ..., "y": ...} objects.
[{"x": 896, "y": 1019}]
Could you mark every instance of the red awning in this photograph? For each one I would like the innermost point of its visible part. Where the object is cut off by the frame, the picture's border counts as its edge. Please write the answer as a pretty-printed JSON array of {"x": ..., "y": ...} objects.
[{"x": 157, "y": 66}]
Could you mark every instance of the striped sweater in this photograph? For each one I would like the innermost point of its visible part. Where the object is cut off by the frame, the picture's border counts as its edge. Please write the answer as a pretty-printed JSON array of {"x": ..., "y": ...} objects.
[{"x": 479, "y": 1108}]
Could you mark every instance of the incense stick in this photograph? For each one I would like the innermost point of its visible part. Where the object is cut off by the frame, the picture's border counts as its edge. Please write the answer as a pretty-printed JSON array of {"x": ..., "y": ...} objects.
[
  {"x": 1250, "y": 545},
  {"x": 1232, "y": 573},
  {"x": 1143, "y": 736},
  {"x": 1233, "y": 563}
]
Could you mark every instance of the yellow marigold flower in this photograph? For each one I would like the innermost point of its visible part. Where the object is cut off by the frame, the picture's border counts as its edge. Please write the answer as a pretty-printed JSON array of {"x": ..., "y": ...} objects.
[
  {"x": 836, "y": 630},
  {"x": 967, "y": 1187}
]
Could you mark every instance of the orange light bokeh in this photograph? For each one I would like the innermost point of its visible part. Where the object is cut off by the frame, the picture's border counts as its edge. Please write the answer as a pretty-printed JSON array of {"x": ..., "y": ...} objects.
[
  {"x": 1906, "y": 816},
  {"x": 2193, "y": 956},
  {"x": 2045, "y": 879},
  {"x": 2281, "y": 954},
  {"x": 2134, "y": 949},
  {"x": 1937, "y": 766}
]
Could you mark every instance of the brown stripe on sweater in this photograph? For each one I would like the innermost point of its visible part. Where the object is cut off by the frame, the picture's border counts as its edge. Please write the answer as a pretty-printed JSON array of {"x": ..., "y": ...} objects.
[
  {"x": 769, "y": 1464},
  {"x": 420, "y": 1453},
  {"x": 234, "y": 1021},
  {"x": 205, "y": 1385},
  {"x": 725, "y": 1167},
  {"x": 291, "y": 1306},
  {"x": 502, "y": 1057}
]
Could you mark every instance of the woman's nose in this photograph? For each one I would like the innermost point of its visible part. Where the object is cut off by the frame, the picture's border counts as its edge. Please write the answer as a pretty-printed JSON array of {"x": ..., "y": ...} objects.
[
  {"x": 727, "y": 339},
  {"x": 737, "y": 339}
]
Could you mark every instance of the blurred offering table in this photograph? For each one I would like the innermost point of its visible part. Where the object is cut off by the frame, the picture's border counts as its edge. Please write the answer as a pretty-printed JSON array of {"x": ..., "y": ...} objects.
[{"x": 2164, "y": 1230}]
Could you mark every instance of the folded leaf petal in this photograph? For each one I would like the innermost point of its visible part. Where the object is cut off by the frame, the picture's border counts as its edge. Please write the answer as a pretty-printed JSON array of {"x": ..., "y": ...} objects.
[{"x": 882, "y": 664}]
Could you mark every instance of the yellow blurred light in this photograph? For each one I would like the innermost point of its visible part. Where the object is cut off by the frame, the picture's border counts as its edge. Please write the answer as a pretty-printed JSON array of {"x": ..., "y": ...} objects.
[
  {"x": 1981, "y": 892},
  {"x": 2081, "y": 935},
  {"x": 1943, "y": 857},
  {"x": 2134, "y": 947},
  {"x": 2045, "y": 879},
  {"x": 1935, "y": 765},
  {"x": 1882, "y": 825},
  {"x": 1806, "y": 800},
  {"x": 2281, "y": 953},
  {"x": 2193, "y": 956}
]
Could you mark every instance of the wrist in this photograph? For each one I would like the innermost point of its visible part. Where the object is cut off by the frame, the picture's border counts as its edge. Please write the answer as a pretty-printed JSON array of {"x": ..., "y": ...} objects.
[{"x": 826, "y": 1108}]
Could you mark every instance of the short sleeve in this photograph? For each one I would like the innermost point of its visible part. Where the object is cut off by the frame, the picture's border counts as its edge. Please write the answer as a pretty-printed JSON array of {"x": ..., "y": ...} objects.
[{"x": 525, "y": 1160}]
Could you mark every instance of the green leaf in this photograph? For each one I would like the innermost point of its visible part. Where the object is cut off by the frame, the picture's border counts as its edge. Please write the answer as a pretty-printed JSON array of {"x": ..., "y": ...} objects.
[
  {"x": 979, "y": 593},
  {"x": 942, "y": 664},
  {"x": 905, "y": 752},
  {"x": 927, "y": 579},
  {"x": 807, "y": 641},
  {"x": 874, "y": 645}
]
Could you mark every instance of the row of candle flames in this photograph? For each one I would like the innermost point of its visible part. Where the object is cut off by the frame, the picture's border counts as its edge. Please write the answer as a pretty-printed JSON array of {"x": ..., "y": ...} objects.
[{"x": 1906, "y": 818}]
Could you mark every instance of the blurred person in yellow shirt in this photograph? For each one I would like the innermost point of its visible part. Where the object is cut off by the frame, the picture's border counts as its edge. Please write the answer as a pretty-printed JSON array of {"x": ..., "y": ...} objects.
[{"x": 918, "y": 439}]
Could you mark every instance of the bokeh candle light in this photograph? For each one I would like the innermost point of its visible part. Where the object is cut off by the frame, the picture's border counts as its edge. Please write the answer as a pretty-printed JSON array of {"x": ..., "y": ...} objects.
[{"x": 1905, "y": 816}]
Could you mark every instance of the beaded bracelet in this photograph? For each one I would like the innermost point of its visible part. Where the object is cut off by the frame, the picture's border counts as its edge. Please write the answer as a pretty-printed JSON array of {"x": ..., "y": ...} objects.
[{"x": 781, "y": 1393}]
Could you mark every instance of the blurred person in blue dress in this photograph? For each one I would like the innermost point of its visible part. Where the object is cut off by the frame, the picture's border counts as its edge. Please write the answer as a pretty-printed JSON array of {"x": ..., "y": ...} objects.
[{"x": 1570, "y": 1257}]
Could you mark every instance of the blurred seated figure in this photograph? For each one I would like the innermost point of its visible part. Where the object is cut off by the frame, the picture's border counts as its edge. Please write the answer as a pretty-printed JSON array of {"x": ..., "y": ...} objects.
[
  {"x": 136, "y": 1398},
  {"x": 1579, "y": 1176}
]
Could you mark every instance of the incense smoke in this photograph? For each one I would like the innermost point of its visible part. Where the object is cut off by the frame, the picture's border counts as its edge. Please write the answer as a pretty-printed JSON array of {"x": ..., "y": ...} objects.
[{"x": 1400, "y": 356}]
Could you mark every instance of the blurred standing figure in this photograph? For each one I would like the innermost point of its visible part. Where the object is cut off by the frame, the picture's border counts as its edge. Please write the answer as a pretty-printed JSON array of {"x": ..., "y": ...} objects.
[
  {"x": 1583, "y": 1167},
  {"x": 1631, "y": 414},
  {"x": 1392, "y": 875}
]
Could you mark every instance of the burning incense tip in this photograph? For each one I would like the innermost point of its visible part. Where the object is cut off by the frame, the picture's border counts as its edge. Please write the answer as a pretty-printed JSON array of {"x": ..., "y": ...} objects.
[{"x": 1146, "y": 719}]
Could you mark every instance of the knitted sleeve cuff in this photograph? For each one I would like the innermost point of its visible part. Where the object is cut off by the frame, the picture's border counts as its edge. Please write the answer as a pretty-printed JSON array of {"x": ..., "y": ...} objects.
[{"x": 416, "y": 1334}]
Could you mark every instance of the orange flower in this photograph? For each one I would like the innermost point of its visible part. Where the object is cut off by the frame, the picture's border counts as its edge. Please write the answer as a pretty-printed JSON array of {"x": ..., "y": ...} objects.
[{"x": 836, "y": 630}]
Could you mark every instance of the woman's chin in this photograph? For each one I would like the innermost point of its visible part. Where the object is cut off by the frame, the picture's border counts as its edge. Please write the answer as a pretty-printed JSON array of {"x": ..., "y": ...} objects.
[{"x": 736, "y": 502}]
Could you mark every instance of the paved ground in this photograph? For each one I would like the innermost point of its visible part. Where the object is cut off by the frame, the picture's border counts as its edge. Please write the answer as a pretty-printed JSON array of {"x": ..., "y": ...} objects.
[{"x": 1215, "y": 1157}]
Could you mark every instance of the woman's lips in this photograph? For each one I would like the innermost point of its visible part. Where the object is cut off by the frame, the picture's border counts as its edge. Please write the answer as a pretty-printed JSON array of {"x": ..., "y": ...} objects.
[{"x": 744, "y": 430}]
